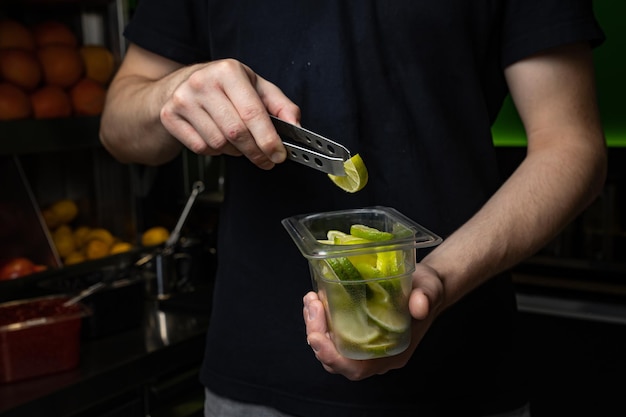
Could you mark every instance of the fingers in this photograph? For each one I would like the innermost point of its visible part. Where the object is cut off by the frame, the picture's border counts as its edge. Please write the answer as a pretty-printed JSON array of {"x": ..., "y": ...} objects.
[
  {"x": 313, "y": 312},
  {"x": 317, "y": 331},
  {"x": 222, "y": 108},
  {"x": 325, "y": 352},
  {"x": 428, "y": 293},
  {"x": 425, "y": 302}
]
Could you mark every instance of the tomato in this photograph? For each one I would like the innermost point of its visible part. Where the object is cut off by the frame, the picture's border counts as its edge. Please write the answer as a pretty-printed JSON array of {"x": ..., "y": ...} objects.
[{"x": 17, "y": 267}]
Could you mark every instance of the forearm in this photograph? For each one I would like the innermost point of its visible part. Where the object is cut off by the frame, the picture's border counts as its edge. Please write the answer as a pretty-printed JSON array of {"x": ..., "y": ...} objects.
[
  {"x": 131, "y": 129},
  {"x": 528, "y": 211}
]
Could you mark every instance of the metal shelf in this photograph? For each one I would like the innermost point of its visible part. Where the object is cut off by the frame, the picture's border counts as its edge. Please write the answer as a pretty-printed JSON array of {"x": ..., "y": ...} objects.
[{"x": 37, "y": 136}]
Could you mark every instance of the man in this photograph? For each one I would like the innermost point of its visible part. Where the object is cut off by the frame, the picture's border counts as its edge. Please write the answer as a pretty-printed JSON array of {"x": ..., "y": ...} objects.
[{"x": 413, "y": 86}]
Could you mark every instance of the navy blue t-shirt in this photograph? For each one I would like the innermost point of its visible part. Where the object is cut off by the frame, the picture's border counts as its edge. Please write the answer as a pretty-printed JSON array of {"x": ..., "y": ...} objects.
[{"x": 411, "y": 85}]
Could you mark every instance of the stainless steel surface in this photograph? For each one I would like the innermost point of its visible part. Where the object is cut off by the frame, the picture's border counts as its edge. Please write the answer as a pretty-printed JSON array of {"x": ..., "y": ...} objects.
[
  {"x": 85, "y": 293},
  {"x": 311, "y": 149}
]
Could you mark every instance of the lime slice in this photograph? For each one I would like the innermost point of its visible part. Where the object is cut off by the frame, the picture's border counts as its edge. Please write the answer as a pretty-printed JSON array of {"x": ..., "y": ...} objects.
[
  {"x": 369, "y": 233},
  {"x": 350, "y": 240},
  {"x": 380, "y": 348},
  {"x": 387, "y": 316},
  {"x": 353, "y": 327},
  {"x": 355, "y": 178},
  {"x": 377, "y": 294},
  {"x": 325, "y": 242}
]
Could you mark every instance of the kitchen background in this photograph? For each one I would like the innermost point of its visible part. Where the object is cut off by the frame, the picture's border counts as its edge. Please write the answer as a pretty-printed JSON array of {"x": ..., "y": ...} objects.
[{"x": 76, "y": 218}]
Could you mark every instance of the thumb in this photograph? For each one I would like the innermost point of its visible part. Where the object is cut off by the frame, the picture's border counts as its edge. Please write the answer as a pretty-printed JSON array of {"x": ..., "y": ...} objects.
[{"x": 419, "y": 305}]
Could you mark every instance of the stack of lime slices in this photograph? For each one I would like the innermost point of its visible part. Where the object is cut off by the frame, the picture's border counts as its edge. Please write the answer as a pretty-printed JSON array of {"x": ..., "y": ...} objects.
[{"x": 367, "y": 302}]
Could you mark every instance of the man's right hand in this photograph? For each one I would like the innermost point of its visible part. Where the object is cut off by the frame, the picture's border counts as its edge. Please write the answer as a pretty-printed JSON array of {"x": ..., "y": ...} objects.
[{"x": 213, "y": 108}]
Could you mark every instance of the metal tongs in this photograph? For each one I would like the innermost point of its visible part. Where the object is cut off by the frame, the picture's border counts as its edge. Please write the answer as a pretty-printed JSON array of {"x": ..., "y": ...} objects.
[{"x": 312, "y": 150}]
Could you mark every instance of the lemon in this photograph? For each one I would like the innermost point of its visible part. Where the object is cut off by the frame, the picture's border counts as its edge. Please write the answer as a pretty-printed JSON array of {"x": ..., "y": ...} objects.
[
  {"x": 80, "y": 235},
  {"x": 64, "y": 243},
  {"x": 74, "y": 258},
  {"x": 101, "y": 234},
  {"x": 155, "y": 236},
  {"x": 96, "y": 249},
  {"x": 65, "y": 210},
  {"x": 120, "y": 247},
  {"x": 50, "y": 218},
  {"x": 356, "y": 175},
  {"x": 369, "y": 233}
]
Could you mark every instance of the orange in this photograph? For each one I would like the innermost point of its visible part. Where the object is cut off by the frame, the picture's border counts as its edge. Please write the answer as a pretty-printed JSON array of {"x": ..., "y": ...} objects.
[
  {"x": 64, "y": 243},
  {"x": 74, "y": 258},
  {"x": 20, "y": 67},
  {"x": 51, "y": 101},
  {"x": 14, "y": 103},
  {"x": 13, "y": 34},
  {"x": 99, "y": 63},
  {"x": 87, "y": 97},
  {"x": 53, "y": 32},
  {"x": 96, "y": 249},
  {"x": 120, "y": 247},
  {"x": 80, "y": 235},
  {"x": 62, "y": 64},
  {"x": 66, "y": 210},
  {"x": 50, "y": 218},
  {"x": 62, "y": 230},
  {"x": 102, "y": 234},
  {"x": 154, "y": 236}
]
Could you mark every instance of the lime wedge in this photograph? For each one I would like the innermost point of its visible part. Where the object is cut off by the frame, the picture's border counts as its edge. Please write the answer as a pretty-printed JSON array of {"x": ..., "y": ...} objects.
[
  {"x": 391, "y": 263},
  {"x": 335, "y": 234},
  {"x": 350, "y": 240},
  {"x": 356, "y": 175},
  {"x": 387, "y": 316},
  {"x": 369, "y": 233},
  {"x": 366, "y": 267},
  {"x": 325, "y": 241},
  {"x": 344, "y": 269}
]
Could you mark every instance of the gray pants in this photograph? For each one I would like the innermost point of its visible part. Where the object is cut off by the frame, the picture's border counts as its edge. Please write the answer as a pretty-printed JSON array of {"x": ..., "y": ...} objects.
[{"x": 215, "y": 406}]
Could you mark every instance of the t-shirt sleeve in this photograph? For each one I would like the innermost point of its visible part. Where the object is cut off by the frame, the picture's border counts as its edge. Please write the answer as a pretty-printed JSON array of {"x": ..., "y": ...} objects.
[
  {"x": 170, "y": 28},
  {"x": 533, "y": 26}
]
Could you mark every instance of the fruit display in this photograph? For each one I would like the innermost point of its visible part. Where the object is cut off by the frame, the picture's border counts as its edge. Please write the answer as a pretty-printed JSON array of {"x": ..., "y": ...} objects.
[
  {"x": 45, "y": 72},
  {"x": 77, "y": 243}
]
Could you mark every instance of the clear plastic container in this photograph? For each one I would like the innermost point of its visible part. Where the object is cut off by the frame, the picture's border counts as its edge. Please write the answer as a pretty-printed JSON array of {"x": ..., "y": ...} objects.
[
  {"x": 39, "y": 336},
  {"x": 363, "y": 284}
]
